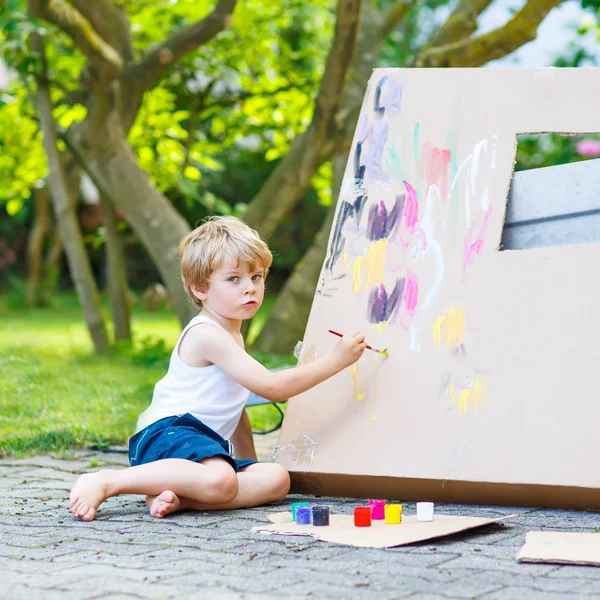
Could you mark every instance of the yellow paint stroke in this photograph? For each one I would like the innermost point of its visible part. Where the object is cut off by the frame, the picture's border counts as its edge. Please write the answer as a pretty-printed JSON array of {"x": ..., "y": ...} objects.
[
  {"x": 453, "y": 324},
  {"x": 358, "y": 395},
  {"x": 375, "y": 263},
  {"x": 356, "y": 269},
  {"x": 437, "y": 331},
  {"x": 380, "y": 327},
  {"x": 472, "y": 396},
  {"x": 451, "y": 393},
  {"x": 345, "y": 259}
]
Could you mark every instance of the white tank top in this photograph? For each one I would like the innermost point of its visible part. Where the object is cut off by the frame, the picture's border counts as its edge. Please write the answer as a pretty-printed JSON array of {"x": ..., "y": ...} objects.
[{"x": 205, "y": 392}]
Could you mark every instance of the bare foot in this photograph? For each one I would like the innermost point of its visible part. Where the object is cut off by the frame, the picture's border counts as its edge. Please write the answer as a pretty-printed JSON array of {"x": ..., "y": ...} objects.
[
  {"x": 163, "y": 504},
  {"x": 90, "y": 491}
]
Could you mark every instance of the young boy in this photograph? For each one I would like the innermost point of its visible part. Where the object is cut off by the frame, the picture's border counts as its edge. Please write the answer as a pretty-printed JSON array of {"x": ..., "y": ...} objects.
[{"x": 180, "y": 457}]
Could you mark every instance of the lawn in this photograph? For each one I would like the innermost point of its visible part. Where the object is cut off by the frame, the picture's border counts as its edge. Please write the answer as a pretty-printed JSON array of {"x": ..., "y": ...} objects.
[{"x": 56, "y": 394}]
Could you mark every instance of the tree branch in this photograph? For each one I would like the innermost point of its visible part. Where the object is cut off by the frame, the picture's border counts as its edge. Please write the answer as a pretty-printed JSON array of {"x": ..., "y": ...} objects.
[
  {"x": 110, "y": 23},
  {"x": 294, "y": 173},
  {"x": 477, "y": 51},
  {"x": 394, "y": 15},
  {"x": 161, "y": 57},
  {"x": 79, "y": 29},
  {"x": 460, "y": 24}
]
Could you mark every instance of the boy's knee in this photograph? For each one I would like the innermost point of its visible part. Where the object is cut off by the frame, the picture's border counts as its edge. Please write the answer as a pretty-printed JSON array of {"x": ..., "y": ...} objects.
[
  {"x": 224, "y": 487},
  {"x": 281, "y": 482}
]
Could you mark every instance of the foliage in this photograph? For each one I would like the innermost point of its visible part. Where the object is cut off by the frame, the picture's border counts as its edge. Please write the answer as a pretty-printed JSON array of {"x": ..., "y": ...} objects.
[{"x": 55, "y": 395}]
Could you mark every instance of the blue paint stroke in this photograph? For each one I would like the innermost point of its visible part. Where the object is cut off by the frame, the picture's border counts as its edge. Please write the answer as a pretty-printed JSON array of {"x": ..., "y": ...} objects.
[
  {"x": 378, "y": 107},
  {"x": 383, "y": 307},
  {"x": 381, "y": 224},
  {"x": 347, "y": 211}
]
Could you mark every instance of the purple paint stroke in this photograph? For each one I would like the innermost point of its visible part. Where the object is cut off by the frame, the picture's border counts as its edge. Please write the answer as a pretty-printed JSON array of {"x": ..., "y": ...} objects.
[
  {"x": 394, "y": 98},
  {"x": 381, "y": 224},
  {"x": 384, "y": 307},
  {"x": 374, "y": 154},
  {"x": 471, "y": 249},
  {"x": 411, "y": 293},
  {"x": 411, "y": 207}
]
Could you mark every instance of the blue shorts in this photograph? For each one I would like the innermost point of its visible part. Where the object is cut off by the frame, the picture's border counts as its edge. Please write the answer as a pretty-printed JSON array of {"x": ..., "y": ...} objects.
[{"x": 181, "y": 436}]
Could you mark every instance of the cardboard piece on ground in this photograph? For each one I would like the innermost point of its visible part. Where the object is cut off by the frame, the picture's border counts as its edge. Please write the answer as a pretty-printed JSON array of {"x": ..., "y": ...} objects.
[
  {"x": 492, "y": 354},
  {"x": 343, "y": 531},
  {"x": 561, "y": 547}
]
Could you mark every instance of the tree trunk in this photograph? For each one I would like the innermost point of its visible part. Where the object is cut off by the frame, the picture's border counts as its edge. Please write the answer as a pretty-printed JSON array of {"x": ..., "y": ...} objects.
[
  {"x": 287, "y": 321},
  {"x": 35, "y": 245},
  {"x": 288, "y": 318},
  {"x": 117, "y": 274},
  {"x": 79, "y": 265},
  {"x": 110, "y": 162},
  {"x": 294, "y": 173},
  {"x": 52, "y": 266}
]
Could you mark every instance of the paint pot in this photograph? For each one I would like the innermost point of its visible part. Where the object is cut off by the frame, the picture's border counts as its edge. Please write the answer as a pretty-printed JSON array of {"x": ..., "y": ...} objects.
[
  {"x": 424, "y": 511},
  {"x": 362, "y": 516},
  {"x": 295, "y": 505},
  {"x": 377, "y": 509},
  {"x": 393, "y": 514},
  {"x": 303, "y": 515},
  {"x": 320, "y": 516}
]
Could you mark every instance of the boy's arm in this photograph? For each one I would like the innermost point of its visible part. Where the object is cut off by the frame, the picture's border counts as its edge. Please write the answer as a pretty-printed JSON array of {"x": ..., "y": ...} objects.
[{"x": 218, "y": 347}]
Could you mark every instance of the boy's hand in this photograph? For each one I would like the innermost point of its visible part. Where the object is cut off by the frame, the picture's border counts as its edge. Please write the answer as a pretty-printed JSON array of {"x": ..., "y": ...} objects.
[{"x": 350, "y": 348}]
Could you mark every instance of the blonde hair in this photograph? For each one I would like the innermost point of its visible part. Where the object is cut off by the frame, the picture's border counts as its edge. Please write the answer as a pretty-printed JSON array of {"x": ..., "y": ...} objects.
[{"x": 216, "y": 241}]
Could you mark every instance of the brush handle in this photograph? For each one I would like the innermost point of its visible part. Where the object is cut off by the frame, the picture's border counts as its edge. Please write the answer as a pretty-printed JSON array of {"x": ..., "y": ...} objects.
[{"x": 342, "y": 335}]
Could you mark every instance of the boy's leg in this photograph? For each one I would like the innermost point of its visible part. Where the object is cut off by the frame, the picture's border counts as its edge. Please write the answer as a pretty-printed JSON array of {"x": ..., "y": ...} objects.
[
  {"x": 210, "y": 481},
  {"x": 258, "y": 484},
  {"x": 242, "y": 439}
]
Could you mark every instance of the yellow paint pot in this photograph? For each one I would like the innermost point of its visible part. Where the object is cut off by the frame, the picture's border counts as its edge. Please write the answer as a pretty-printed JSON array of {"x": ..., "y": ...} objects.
[{"x": 393, "y": 514}]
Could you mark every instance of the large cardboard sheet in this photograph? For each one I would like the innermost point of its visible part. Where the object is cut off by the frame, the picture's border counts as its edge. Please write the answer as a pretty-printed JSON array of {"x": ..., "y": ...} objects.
[
  {"x": 490, "y": 390},
  {"x": 561, "y": 547},
  {"x": 342, "y": 530}
]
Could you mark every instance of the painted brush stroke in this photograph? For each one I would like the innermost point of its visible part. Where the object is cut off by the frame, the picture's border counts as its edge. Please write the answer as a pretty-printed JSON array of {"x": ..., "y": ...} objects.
[
  {"x": 411, "y": 293},
  {"x": 453, "y": 326},
  {"x": 381, "y": 223},
  {"x": 470, "y": 393},
  {"x": 347, "y": 211},
  {"x": 411, "y": 207},
  {"x": 473, "y": 248},
  {"x": 433, "y": 168},
  {"x": 382, "y": 307}
]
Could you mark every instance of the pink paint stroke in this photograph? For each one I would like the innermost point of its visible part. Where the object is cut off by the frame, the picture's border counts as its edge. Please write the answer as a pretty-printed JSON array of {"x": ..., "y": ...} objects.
[
  {"x": 475, "y": 248},
  {"x": 434, "y": 167},
  {"x": 411, "y": 293},
  {"x": 411, "y": 207}
]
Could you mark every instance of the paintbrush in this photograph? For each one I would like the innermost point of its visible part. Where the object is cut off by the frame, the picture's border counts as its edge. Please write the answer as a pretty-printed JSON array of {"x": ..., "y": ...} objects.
[{"x": 384, "y": 352}]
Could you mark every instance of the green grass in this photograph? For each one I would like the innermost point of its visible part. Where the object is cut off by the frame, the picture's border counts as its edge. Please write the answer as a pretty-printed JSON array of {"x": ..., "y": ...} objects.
[{"x": 56, "y": 394}]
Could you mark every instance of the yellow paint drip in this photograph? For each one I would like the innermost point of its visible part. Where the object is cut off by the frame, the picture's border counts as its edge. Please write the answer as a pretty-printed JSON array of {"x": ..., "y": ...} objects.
[
  {"x": 356, "y": 269},
  {"x": 375, "y": 263},
  {"x": 345, "y": 259},
  {"x": 358, "y": 395}
]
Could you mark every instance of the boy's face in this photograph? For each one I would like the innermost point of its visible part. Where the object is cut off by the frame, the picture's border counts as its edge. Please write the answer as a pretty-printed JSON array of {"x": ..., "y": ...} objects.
[{"x": 234, "y": 291}]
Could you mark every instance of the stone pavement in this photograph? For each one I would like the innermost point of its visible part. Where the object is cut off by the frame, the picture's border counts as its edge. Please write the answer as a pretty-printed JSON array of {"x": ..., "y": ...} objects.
[{"x": 125, "y": 553}]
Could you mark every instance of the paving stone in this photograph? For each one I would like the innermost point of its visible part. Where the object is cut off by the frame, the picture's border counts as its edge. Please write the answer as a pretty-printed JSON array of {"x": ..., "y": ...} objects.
[{"x": 125, "y": 553}]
